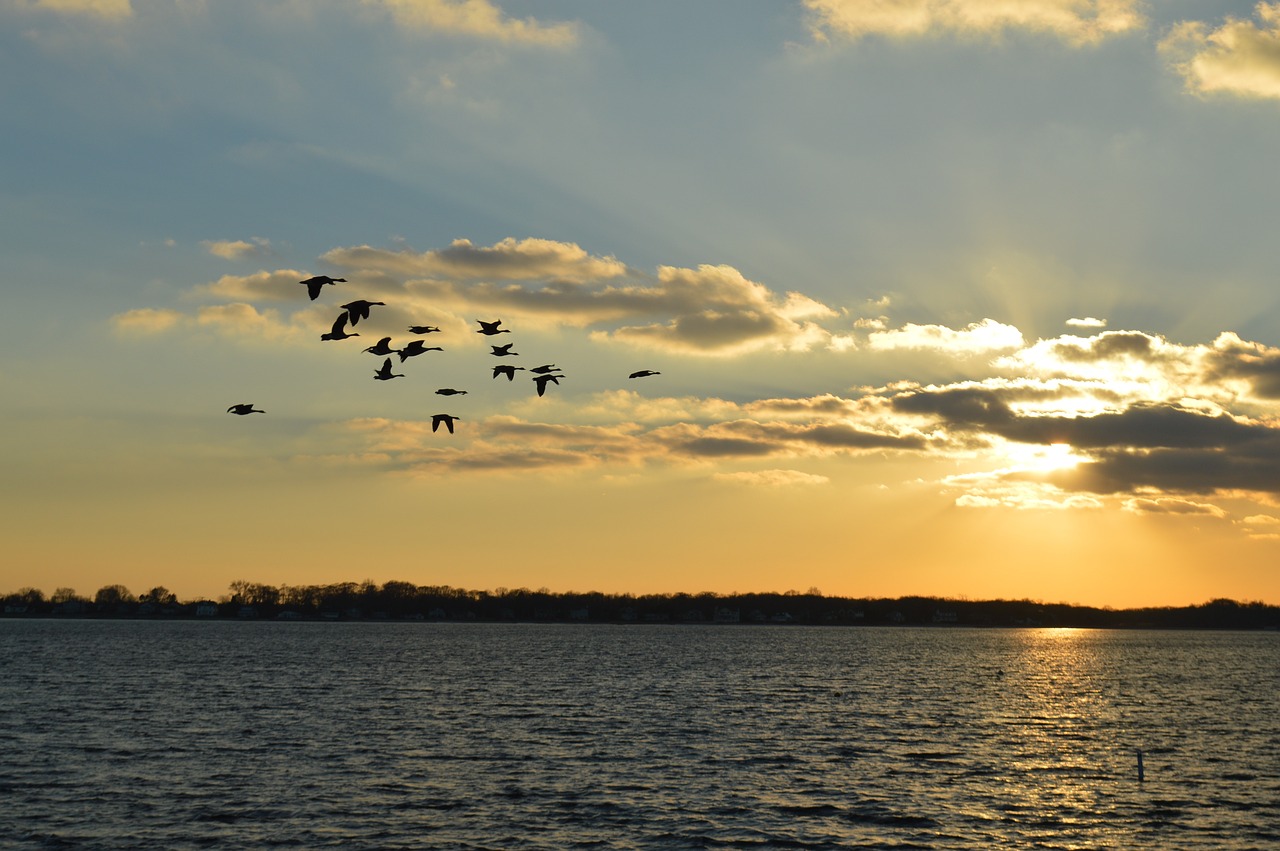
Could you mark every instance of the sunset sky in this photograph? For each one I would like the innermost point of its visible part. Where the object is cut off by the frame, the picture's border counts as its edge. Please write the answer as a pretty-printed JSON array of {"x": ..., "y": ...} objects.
[{"x": 951, "y": 297}]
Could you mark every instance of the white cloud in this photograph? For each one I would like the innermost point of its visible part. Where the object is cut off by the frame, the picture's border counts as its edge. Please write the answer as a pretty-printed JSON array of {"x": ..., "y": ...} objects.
[
  {"x": 1076, "y": 22},
  {"x": 1240, "y": 57},
  {"x": 976, "y": 338},
  {"x": 1087, "y": 322}
]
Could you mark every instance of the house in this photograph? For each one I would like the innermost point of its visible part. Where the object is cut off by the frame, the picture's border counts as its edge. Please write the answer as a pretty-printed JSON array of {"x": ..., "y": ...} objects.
[{"x": 206, "y": 609}]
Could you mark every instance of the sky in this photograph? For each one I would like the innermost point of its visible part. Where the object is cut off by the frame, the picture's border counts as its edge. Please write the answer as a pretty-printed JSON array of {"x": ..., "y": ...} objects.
[{"x": 949, "y": 297}]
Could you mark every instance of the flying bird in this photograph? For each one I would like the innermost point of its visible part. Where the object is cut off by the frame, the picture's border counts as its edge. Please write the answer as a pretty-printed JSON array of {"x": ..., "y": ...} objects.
[
  {"x": 506, "y": 369},
  {"x": 416, "y": 347},
  {"x": 447, "y": 419},
  {"x": 382, "y": 347},
  {"x": 385, "y": 374},
  {"x": 244, "y": 408},
  {"x": 449, "y": 391},
  {"x": 491, "y": 328},
  {"x": 339, "y": 331},
  {"x": 644, "y": 373},
  {"x": 545, "y": 368},
  {"x": 541, "y": 381},
  {"x": 503, "y": 351},
  {"x": 313, "y": 285},
  {"x": 359, "y": 309},
  {"x": 422, "y": 329}
]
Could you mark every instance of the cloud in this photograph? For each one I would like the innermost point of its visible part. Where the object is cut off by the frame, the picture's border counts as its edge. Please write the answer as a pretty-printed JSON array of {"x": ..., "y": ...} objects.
[
  {"x": 509, "y": 259},
  {"x": 1239, "y": 58},
  {"x": 771, "y": 478},
  {"x": 977, "y": 338},
  {"x": 710, "y": 310},
  {"x": 148, "y": 320},
  {"x": 1022, "y": 496},
  {"x": 1087, "y": 322},
  {"x": 479, "y": 19},
  {"x": 99, "y": 8},
  {"x": 237, "y": 249},
  {"x": 236, "y": 320},
  {"x": 1076, "y": 22},
  {"x": 279, "y": 285},
  {"x": 1166, "y": 505}
]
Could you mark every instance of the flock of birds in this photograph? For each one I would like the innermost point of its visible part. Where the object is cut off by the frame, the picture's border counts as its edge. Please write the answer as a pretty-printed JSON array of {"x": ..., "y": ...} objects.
[{"x": 354, "y": 311}]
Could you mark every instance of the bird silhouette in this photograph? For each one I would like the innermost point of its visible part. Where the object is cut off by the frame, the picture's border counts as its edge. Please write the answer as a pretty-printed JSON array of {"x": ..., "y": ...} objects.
[
  {"x": 422, "y": 329},
  {"x": 541, "y": 381},
  {"x": 244, "y": 408},
  {"x": 447, "y": 419},
  {"x": 313, "y": 285},
  {"x": 385, "y": 373},
  {"x": 545, "y": 368},
  {"x": 339, "y": 331},
  {"x": 359, "y": 309},
  {"x": 416, "y": 347},
  {"x": 382, "y": 347},
  {"x": 491, "y": 328},
  {"x": 506, "y": 369},
  {"x": 643, "y": 373},
  {"x": 503, "y": 351},
  {"x": 449, "y": 391}
]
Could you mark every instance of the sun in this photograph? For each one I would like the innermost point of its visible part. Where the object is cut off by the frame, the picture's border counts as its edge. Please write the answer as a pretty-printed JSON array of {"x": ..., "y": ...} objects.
[{"x": 1035, "y": 458}]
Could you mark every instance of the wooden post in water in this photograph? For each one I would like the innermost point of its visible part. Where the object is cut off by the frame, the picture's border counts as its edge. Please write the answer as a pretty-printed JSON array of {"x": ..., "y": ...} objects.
[{"x": 1140, "y": 772}]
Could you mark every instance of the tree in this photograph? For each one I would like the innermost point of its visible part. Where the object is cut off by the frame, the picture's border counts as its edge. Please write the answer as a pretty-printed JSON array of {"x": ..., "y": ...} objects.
[
  {"x": 66, "y": 595},
  {"x": 111, "y": 596},
  {"x": 160, "y": 596}
]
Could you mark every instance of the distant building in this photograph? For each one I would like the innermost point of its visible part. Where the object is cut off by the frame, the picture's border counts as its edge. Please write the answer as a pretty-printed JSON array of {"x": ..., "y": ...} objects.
[
  {"x": 206, "y": 609},
  {"x": 724, "y": 614},
  {"x": 940, "y": 616}
]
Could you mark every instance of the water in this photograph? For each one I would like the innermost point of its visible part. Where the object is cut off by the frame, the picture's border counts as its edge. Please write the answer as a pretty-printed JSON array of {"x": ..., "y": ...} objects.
[{"x": 130, "y": 734}]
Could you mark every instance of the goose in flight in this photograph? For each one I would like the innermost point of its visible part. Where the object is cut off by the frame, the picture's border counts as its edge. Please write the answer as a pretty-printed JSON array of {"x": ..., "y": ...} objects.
[
  {"x": 313, "y": 285},
  {"x": 422, "y": 329},
  {"x": 644, "y": 373},
  {"x": 503, "y": 351},
  {"x": 449, "y": 391},
  {"x": 541, "y": 381},
  {"x": 506, "y": 369},
  {"x": 545, "y": 368},
  {"x": 339, "y": 331},
  {"x": 382, "y": 347},
  {"x": 491, "y": 328},
  {"x": 447, "y": 419},
  {"x": 416, "y": 347},
  {"x": 385, "y": 373},
  {"x": 244, "y": 408},
  {"x": 359, "y": 309}
]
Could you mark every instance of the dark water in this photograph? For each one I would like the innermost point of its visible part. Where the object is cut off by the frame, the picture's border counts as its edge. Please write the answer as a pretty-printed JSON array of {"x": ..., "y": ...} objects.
[{"x": 383, "y": 735}]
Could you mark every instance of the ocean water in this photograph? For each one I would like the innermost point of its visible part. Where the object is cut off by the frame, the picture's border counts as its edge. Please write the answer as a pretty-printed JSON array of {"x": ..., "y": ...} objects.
[{"x": 181, "y": 734}]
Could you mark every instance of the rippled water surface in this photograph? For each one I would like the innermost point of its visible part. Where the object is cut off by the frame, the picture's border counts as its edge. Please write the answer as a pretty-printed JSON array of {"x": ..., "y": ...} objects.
[{"x": 182, "y": 734}]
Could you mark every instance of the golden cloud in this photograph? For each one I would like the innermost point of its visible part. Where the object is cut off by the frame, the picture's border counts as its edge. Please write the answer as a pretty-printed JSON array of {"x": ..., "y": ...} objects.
[
  {"x": 1076, "y": 22},
  {"x": 1240, "y": 57},
  {"x": 476, "y": 19},
  {"x": 100, "y": 8}
]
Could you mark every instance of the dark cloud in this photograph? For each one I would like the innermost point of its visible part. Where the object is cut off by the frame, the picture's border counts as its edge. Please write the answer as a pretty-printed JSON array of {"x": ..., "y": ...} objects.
[
  {"x": 1108, "y": 346},
  {"x": 1233, "y": 358}
]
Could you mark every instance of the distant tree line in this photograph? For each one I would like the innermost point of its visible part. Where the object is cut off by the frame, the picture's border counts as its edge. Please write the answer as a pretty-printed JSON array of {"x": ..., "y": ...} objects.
[{"x": 398, "y": 600}]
